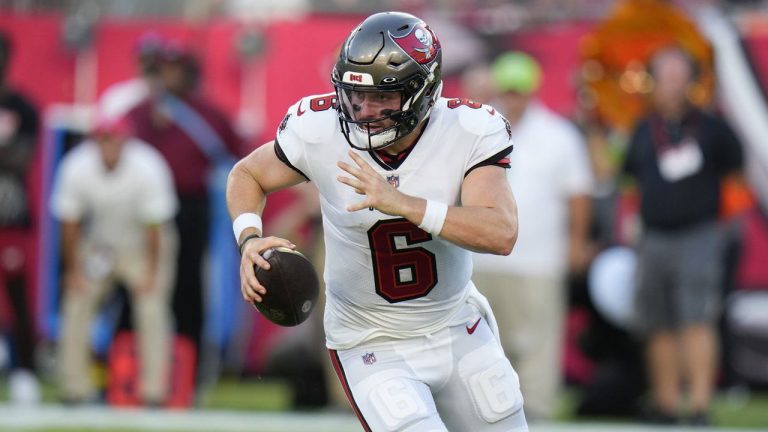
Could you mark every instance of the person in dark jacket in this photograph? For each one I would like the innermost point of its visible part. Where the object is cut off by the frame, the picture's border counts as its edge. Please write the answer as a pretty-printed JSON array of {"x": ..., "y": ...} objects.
[{"x": 678, "y": 156}]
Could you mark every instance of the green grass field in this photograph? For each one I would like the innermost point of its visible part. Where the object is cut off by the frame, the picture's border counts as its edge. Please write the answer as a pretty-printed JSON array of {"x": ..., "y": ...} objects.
[{"x": 270, "y": 399}]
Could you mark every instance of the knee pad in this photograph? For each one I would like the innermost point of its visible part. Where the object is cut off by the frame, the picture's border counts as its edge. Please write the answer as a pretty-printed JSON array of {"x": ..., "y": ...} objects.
[{"x": 492, "y": 383}]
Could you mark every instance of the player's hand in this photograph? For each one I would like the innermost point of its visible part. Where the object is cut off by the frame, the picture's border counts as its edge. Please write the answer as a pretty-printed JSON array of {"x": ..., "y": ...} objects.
[
  {"x": 379, "y": 194},
  {"x": 250, "y": 287}
]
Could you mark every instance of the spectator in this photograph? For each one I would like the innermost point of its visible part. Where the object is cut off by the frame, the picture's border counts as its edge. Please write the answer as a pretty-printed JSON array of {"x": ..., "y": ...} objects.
[
  {"x": 678, "y": 156},
  {"x": 18, "y": 136},
  {"x": 551, "y": 179},
  {"x": 114, "y": 198},
  {"x": 194, "y": 137}
]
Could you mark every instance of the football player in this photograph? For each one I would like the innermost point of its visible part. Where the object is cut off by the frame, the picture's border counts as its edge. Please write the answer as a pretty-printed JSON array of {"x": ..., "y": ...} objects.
[{"x": 409, "y": 183}]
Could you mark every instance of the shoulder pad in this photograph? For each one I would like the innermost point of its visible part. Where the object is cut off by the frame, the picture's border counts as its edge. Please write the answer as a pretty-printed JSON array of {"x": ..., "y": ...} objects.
[
  {"x": 311, "y": 119},
  {"x": 474, "y": 117}
]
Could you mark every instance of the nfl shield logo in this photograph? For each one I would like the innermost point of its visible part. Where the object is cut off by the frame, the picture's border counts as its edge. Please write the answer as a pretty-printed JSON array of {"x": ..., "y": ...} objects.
[
  {"x": 394, "y": 180},
  {"x": 369, "y": 358}
]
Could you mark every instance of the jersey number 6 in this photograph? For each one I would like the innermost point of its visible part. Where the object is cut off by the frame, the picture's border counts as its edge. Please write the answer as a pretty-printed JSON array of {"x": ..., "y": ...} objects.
[{"x": 401, "y": 271}]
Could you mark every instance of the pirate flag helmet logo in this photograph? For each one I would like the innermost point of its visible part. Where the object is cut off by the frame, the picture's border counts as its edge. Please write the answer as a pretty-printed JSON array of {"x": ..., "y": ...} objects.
[{"x": 420, "y": 43}]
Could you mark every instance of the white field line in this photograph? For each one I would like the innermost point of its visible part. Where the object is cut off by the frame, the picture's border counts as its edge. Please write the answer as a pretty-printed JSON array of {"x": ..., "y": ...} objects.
[{"x": 17, "y": 419}]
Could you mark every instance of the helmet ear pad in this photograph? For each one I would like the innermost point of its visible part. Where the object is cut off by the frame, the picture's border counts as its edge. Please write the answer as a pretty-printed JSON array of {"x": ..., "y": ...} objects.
[
  {"x": 416, "y": 112},
  {"x": 425, "y": 89}
]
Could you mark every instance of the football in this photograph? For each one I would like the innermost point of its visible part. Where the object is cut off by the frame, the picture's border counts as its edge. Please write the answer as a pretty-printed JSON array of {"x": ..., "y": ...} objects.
[{"x": 292, "y": 287}]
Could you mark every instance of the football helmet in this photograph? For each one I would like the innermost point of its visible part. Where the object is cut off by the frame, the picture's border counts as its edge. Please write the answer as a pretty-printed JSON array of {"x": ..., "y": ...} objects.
[{"x": 392, "y": 59}]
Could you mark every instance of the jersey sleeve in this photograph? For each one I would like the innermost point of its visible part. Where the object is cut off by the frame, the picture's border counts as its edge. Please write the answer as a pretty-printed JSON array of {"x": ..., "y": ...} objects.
[
  {"x": 67, "y": 200},
  {"x": 494, "y": 145},
  {"x": 159, "y": 203},
  {"x": 290, "y": 147}
]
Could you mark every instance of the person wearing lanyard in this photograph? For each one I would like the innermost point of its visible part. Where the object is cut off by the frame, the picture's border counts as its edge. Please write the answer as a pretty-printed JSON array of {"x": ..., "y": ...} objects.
[{"x": 678, "y": 157}]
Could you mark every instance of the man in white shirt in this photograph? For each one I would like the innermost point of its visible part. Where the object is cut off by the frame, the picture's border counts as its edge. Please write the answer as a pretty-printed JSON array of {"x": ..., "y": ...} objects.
[
  {"x": 551, "y": 179},
  {"x": 115, "y": 200}
]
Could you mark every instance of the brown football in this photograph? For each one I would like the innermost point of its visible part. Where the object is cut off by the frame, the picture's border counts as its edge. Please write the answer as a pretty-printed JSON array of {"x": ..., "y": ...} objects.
[{"x": 292, "y": 287}]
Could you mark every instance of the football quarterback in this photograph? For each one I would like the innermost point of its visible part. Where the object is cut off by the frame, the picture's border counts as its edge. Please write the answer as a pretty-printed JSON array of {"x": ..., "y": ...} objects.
[{"x": 410, "y": 182}]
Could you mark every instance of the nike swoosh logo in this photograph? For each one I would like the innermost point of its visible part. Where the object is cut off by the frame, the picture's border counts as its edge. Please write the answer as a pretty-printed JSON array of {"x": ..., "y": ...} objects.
[
  {"x": 491, "y": 111},
  {"x": 471, "y": 330},
  {"x": 299, "y": 111}
]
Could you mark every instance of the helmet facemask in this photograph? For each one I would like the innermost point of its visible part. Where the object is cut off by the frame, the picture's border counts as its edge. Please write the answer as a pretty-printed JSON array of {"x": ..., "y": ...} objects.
[{"x": 383, "y": 112}]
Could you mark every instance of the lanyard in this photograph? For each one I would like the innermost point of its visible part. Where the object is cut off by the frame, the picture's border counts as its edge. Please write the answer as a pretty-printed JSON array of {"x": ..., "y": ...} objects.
[{"x": 660, "y": 135}]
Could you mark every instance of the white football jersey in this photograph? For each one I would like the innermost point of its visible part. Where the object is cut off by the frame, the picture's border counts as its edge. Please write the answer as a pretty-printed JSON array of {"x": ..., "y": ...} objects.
[{"x": 385, "y": 276}]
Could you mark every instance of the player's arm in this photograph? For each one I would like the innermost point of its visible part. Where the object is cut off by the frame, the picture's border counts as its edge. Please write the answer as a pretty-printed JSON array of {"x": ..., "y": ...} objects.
[
  {"x": 486, "y": 221},
  {"x": 255, "y": 176},
  {"x": 249, "y": 182}
]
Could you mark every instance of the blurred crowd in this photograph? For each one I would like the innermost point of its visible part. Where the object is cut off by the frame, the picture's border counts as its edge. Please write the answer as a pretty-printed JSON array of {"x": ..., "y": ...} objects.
[
  {"x": 631, "y": 239},
  {"x": 530, "y": 10}
]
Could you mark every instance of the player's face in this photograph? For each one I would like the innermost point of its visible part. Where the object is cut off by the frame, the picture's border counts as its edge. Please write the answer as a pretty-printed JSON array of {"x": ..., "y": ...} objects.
[{"x": 374, "y": 105}]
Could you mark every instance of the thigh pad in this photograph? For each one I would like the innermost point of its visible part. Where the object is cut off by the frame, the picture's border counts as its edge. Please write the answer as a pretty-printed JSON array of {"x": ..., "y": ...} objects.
[
  {"x": 492, "y": 383},
  {"x": 399, "y": 402}
]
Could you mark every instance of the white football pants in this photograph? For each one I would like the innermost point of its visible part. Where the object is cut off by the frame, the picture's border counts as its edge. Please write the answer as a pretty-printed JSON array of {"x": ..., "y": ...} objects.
[{"x": 456, "y": 379}]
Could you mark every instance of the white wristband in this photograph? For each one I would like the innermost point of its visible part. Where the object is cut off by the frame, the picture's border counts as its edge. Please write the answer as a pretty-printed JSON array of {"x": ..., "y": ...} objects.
[
  {"x": 434, "y": 217},
  {"x": 246, "y": 220}
]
